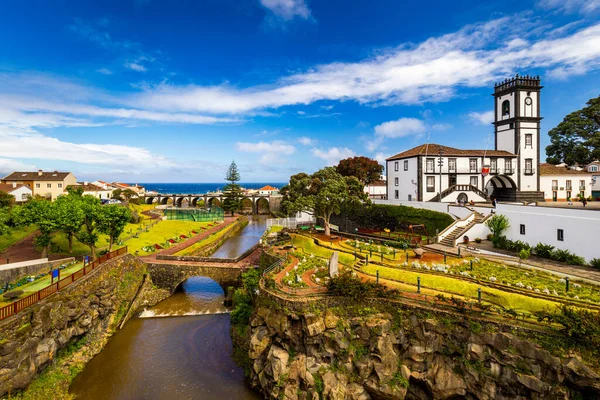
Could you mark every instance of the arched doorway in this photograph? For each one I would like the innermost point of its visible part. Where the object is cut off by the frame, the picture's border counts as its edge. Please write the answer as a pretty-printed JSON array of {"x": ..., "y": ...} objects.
[
  {"x": 462, "y": 198},
  {"x": 502, "y": 188}
]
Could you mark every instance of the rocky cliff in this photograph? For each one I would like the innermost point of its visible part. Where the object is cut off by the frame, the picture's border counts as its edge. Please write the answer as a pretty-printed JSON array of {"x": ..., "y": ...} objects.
[
  {"x": 86, "y": 312},
  {"x": 321, "y": 350}
]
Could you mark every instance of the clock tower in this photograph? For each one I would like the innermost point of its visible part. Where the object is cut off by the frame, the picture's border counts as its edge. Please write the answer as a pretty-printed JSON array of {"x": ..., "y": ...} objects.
[{"x": 517, "y": 130}]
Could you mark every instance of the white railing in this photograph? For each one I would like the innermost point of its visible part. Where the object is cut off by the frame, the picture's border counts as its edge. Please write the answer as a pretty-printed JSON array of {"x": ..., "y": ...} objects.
[
  {"x": 461, "y": 223},
  {"x": 291, "y": 223}
]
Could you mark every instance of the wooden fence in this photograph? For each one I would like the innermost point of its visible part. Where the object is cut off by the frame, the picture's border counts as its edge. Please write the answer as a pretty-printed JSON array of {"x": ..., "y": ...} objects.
[{"x": 14, "y": 308}]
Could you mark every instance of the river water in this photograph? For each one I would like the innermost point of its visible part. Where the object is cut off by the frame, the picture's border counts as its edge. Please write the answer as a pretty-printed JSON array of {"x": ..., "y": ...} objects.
[
  {"x": 243, "y": 240},
  {"x": 179, "y": 349}
]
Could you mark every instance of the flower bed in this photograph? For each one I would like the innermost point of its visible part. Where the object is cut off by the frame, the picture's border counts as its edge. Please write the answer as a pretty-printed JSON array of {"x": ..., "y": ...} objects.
[{"x": 293, "y": 278}]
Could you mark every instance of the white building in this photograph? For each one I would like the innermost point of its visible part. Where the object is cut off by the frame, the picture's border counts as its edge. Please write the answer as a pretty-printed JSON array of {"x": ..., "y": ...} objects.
[
  {"x": 594, "y": 168},
  {"x": 268, "y": 190},
  {"x": 509, "y": 172},
  {"x": 94, "y": 190},
  {"x": 561, "y": 183},
  {"x": 377, "y": 190},
  {"x": 21, "y": 193}
]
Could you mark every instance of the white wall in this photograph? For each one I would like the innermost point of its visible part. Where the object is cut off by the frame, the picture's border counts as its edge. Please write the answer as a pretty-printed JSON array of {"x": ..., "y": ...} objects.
[
  {"x": 21, "y": 194},
  {"x": 546, "y": 186},
  {"x": 434, "y": 206},
  {"x": 580, "y": 227},
  {"x": 407, "y": 180}
]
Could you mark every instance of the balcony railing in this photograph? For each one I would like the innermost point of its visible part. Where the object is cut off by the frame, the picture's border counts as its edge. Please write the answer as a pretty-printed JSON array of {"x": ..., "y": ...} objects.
[
  {"x": 529, "y": 171},
  {"x": 554, "y": 187},
  {"x": 582, "y": 187},
  {"x": 507, "y": 171},
  {"x": 568, "y": 188}
]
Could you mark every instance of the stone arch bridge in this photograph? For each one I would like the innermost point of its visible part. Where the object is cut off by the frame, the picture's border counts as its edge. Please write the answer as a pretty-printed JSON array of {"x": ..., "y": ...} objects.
[{"x": 258, "y": 201}]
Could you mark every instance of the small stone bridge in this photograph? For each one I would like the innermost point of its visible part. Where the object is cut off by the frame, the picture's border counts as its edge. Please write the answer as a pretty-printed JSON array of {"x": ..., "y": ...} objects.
[
  {"x": 169, "y": 274},
  {"x": 258, "y": 201}
]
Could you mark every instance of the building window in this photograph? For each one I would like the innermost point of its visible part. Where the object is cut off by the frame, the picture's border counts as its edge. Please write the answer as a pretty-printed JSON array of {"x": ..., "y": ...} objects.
[
  {"x": 396, "y": 166},
  {"x": 511, "y": 125},
  {"x": 431, "y": 184},
  {"x": 406, "y": 165},
  {"x": 474, "y": 181},
  {"x": 522, "y": 229},
  {"x": 560, "y": 235},
  {"x": 594, "y": 168},
  {"x": 37, "y": 185},
  {"x": 60, "y": 185},
  {"x": 429, "y": 165},
  {"x": 410, "y": 197},
  {"x": 529, "y": 166},
  {"x": 505, "y": 108},
  {"x": 507, "y": 167},
  {"x": 452, "y": 165},
  {"x": 555, "y": 185},
  {"x": 569, "y": 185},
  {"x": 529, "y": 140},
  {"x": 493, "y": 166},
  {"x": 582, "y": 185},
  {"x": 396, "y": 181},
  {"x": 397, "y": 194},
  {"x": 24, "y": 196},
  {"x": 49, "y": 185},
  {"x": 472, "y": 165}
]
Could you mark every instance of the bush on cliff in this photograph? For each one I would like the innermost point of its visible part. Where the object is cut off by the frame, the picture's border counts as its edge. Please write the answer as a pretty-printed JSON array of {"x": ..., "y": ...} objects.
[
  {"x": 243, "y": 298},
  {"x": 347, "y": 284}
]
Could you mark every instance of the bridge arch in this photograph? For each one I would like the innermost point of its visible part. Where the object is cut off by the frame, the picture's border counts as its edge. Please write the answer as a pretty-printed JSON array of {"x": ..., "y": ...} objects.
[
  {"x": 171, "y": 276},
  {"x": 214, "y": 202},
  {"x": 196, "y": 200},
  {"x": 165, "y": 200},
  {"x": 247, "y": 205},
  {"x": 263, "y": 205},
  {"x": 150, "y": 200}
]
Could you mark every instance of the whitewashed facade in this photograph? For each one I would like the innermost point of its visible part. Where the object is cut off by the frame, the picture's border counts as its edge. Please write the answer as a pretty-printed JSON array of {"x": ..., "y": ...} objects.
[
  {"x": 513, "y": 164},
  {"x": 559, "y": 183}
]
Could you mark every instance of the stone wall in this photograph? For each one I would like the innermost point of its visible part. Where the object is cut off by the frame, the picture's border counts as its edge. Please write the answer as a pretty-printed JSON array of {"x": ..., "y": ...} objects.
[
  {"x": 169, "y": 276},
  {"x": 325, "y": 353},
  {"x": 14, "y": 274},
  {"x": 209, "y": 259},
  {"x": 91, "y": 307}
]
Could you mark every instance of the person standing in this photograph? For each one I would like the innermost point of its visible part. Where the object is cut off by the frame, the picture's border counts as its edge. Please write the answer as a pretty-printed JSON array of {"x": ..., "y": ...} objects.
[{"x": 584, "y": 201}]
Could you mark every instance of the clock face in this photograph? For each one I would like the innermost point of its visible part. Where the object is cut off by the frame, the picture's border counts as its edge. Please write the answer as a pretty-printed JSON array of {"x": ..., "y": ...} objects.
[{"x": 528, "y": 101}]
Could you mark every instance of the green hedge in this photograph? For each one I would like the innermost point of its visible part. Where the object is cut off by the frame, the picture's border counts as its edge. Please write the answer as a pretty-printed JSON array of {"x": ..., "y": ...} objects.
[{"x": 396, "y": 218}]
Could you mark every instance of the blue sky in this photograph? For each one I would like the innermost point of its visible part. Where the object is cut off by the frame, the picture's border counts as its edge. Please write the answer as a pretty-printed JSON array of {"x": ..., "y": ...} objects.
[{"x": 172, "y": 91}]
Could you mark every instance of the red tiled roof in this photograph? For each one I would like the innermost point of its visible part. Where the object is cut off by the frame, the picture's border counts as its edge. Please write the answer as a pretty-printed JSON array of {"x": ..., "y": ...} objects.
[
  {"x": 434, "y": 150},
  {"x": 36, "y": 176},
  {"x": 268, "y": 187},
  {"x": 7, "y": 187},
  {"x": 549, "y": 169}
]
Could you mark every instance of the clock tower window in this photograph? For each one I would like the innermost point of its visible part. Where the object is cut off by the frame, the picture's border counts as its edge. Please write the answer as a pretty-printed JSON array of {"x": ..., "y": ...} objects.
[{"x": 505, "y": 108}]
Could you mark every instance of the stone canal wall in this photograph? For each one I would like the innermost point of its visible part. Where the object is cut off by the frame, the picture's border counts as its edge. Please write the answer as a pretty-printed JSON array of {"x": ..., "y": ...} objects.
[
  {"x": 321, "y": 350},
  {"x": 168, "y": 276},
  {"x": 90, "y": 308}
]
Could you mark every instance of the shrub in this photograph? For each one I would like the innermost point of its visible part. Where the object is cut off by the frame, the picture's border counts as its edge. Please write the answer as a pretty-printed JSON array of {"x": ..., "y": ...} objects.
[
  {"x": 524, "y": 254},
  {"x": 348, "y": 284},
  {"x": 498, "y": 224},
  {"x": 490, "y": 237},
  {"x": 543, "y": 250},
  {"x": 580, "y": 324},
  {"x": 575, "y": 260},
  {"x": 477, "y": 240},
  {"x": 595, "y": 262},
  {"x": 561, "y": 255}
]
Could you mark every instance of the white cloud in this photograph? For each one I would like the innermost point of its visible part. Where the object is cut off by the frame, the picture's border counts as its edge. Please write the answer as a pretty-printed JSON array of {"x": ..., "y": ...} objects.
[
  {"x": 287, "y": 9},
  {"x": 135, "y": 66},
  {"x": 333, "y": 155},
  {"x": 400, "y": 128},
  {"x": 7, "y": 166},
  {"x": 483, "y": 118},
  {"x": 104, "y": 71},
  {"x": 380, "y": 158},
  {"x": 475, "y": 56},
  {"x": 569, "y": 6},
  {"x": 306, "y": 141},
  {"x": 33, "y": 145},
  {"x": 272, "y": 152},
  {"x": 441, "y": 127}
]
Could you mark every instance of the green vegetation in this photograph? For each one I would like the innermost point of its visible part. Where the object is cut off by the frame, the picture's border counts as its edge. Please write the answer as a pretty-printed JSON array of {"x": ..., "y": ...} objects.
[
  {"x": 540, "y": 250},
  {"x": 233, "y": 191},
  {"x": 15, "y": 235},
  {"x": 397, "y": 218},
  {"x": 199, "y": 247},
  {"x": 309, "y": 246},
  {"x": 325, "y": 193},
  {"x": 161, "y": 233},
  {"x": 498, "y": 224},
  {"x": 349, "y": 285}
]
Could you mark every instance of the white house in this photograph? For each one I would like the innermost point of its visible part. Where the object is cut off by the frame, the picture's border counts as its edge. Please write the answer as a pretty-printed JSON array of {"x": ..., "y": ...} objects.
[
  {"x": 21, "y": 193},
  {"x": 509, "y": 172},
  {"x": 268, "y": 190},
  {"x": 560, "y": 183},
  {"x": 594, "y": 169},
  {"x": 377, "y": 190},
  {"x": 94, "y": 190}
]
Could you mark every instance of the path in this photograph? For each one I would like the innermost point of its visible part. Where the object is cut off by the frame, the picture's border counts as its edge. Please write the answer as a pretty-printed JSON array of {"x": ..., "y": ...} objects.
[
  {"x": 312, "y": 289},
  {"x": 24, "y": 250}
]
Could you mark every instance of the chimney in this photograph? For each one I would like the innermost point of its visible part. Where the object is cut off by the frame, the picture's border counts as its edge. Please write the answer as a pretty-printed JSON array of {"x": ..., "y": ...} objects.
[{"x": 39, "y": 172}]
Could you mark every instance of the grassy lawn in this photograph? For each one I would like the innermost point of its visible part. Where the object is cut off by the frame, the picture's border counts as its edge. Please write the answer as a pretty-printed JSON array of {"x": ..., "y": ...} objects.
[
  {"x": 161, "y": 232},
  {"x": 467, "y": 289},
  {"x": 196, "y": 247},
  {"x": 310, "y": 247},
  {"x": 41, "y": 283},
  {"x": 15, "y": 235}
]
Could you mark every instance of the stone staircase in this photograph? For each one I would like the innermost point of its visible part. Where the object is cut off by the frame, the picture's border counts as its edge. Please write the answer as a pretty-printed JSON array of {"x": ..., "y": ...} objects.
[{"x": 457, "y": 232}]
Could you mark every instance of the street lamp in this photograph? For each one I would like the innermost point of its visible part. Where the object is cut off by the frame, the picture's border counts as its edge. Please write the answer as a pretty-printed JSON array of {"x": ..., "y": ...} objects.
[{"x": 440, "y": 164}]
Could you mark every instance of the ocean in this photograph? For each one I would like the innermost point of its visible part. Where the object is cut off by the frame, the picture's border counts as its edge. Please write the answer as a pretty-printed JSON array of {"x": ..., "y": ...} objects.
[{"x": 200, "y": 188}]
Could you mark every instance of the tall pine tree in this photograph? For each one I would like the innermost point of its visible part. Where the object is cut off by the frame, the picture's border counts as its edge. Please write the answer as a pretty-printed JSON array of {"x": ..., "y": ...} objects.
[{"x": 233, "y": 191}]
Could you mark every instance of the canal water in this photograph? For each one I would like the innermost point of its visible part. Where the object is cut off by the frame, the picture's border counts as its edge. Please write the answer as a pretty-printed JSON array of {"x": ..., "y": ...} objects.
[
  {"x": 179, "y": 349},
  {"x": 236, "y": 245}
]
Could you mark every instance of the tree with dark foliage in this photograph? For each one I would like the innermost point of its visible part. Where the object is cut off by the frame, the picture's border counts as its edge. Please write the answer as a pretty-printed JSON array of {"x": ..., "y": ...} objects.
[{"x": 365, "y": 169}]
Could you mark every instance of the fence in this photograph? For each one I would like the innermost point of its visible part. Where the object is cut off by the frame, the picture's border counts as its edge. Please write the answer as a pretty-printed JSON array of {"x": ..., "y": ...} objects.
[
  {"x": 291, "y": 223},
  {"x": 195, "y": 214},
  {"x": 17, "y": 306}
]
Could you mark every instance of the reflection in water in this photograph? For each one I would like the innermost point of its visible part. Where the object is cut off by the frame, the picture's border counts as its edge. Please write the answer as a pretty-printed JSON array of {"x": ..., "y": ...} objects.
[
  {"x": 248, "y": 237},
  {"x": 169, "y": 358}
]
